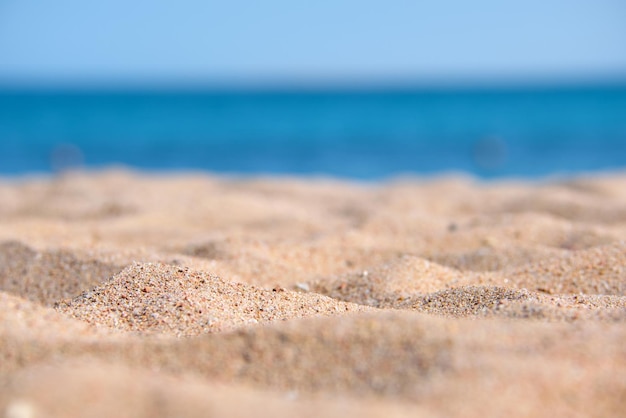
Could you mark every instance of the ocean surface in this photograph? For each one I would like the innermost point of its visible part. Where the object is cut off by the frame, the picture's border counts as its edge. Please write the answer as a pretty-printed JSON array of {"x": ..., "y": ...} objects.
[{"x": 524, "y": 132}]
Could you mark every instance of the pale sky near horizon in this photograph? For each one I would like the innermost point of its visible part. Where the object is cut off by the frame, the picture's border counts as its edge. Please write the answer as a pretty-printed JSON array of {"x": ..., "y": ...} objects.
[{"x": 310, "y": 41}]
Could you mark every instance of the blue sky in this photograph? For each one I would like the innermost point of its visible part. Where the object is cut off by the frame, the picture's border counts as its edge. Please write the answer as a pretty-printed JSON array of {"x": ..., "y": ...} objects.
[{"x": 316, "y": 41}]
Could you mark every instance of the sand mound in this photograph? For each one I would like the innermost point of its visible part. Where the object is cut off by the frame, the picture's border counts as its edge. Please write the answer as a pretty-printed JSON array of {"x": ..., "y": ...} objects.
[
  {"x": 488, "y": 258},
  {"x": 390, "y": 282},
  {"x": 158, "y": 298},
  {"x": 49, "y": 276},
  {"x": 258, "y": 263},
  {"x": 468, "y": 300},
  {"x": 415, "y": 283},
  {"x": 599, "y": 270},
  {"x": 563, "y": 308},
  {"x": 492, "y": 301}
]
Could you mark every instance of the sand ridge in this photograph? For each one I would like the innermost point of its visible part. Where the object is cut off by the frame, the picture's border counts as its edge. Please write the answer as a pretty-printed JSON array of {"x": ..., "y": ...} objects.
[{"x": 158, "y": 298}]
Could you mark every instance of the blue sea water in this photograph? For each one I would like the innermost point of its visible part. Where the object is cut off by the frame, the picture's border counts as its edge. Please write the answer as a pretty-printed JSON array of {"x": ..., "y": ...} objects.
[{"x": 525, "y": 132}]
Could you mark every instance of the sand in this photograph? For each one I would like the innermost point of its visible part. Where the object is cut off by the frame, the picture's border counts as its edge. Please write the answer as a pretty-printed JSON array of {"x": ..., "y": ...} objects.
[{"x": 145, "y": 295}]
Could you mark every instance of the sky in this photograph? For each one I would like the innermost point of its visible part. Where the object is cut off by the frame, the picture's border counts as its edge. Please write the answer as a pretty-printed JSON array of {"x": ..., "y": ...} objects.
[{"x": 314, "y": 41}]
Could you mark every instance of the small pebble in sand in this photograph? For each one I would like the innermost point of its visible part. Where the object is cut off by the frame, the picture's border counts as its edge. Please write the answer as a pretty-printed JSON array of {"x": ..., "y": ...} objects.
[{"x": 303, "y": 287}]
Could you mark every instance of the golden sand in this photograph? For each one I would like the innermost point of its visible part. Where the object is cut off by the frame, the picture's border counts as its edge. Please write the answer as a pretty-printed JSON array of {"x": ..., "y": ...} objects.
[{"x": 124, "y": 294}]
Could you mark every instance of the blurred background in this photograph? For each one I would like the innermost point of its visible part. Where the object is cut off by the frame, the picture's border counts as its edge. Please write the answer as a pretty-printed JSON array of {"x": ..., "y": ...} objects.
[{"x": 359, "y": 89}]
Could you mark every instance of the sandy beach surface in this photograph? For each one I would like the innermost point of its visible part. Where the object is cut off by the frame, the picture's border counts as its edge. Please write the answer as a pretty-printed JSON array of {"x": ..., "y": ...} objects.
[{"x": 167, "y": 295}]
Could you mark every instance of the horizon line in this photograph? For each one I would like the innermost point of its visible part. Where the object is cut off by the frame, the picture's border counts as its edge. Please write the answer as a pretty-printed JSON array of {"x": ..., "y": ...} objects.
[{"x": 315, "y": 85}]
